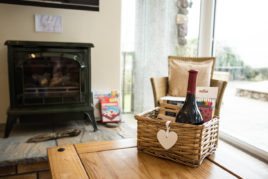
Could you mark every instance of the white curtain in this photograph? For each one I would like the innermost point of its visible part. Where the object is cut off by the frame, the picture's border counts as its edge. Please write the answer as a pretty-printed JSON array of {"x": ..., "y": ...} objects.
[{"x": 155, "y": 40}]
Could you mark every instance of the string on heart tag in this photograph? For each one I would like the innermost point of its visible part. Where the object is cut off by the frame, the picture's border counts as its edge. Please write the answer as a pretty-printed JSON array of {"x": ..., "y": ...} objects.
[{"x": 167, "y": 126}]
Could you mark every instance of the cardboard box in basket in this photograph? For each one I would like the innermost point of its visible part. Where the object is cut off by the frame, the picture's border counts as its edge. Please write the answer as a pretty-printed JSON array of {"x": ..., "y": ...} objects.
[{"x": 183, "y": 143}]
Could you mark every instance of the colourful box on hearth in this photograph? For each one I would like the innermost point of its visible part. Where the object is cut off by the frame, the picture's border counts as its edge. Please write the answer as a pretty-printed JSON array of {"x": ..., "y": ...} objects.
[{"x": 110, "y": 111}]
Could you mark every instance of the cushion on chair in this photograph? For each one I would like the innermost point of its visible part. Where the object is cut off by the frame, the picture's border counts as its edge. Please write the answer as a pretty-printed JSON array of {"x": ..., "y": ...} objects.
[{"x": 178, "y": 73}]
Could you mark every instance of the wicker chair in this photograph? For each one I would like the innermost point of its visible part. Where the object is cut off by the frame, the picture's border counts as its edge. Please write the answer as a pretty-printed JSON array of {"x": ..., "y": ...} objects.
[{"x": 160, "y": 89}]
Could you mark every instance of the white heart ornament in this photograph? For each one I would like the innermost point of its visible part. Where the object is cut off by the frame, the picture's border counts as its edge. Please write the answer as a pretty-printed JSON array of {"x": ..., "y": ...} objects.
[{"x": 167, "y": 139}]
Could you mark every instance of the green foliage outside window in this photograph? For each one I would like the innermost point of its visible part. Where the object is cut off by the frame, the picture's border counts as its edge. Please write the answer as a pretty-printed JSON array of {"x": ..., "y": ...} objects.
[{"x": 229, "y": 60}]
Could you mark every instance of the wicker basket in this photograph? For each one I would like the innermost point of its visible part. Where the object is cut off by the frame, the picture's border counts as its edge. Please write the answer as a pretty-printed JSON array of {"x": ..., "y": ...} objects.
[{"x": 195, "y": 142}]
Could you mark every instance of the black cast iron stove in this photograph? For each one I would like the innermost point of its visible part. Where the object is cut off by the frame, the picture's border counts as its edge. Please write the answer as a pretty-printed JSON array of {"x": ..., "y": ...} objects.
[{"x": 49, "y": 78}]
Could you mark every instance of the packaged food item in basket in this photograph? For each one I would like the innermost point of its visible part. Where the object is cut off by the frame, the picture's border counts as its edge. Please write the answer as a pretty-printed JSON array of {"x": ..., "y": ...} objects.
[
  {"x": 206, "y": 100},
  {"x": 169, "y": 107},
  {"x": 178, "y": 101},
  {"x": 206, "y": 109}
]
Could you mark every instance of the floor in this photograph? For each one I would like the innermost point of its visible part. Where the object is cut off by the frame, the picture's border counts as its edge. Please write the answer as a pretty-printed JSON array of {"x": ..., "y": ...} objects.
[{"x": 15, "y": 150}]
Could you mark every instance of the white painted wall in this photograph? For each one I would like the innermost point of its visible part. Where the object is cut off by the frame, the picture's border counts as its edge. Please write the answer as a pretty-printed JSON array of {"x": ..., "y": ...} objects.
[{"x": 100, "y": 28}]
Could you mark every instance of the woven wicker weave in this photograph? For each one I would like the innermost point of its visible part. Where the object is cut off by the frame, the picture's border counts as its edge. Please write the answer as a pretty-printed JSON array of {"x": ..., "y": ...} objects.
[{"x": 195, "y": 142}]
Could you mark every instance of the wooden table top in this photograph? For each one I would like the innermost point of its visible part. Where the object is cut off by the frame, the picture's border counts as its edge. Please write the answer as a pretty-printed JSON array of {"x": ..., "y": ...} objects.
[{"x": 121, "y": 159}]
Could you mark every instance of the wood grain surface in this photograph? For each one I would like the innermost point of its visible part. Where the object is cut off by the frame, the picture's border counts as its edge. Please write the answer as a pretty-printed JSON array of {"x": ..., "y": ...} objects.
[
  {"x": 105, "y": 145},
  {"x": 66, "y": 164},
  {"x": 121, "y": 159},
  {"x": 239, "y": 162},
  {"x": 129, "y": 163}
]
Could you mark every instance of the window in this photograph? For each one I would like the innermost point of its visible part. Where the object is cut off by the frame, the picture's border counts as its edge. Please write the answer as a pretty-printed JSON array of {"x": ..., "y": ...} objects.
[
  {"x": 240, "y": 45},
  {"x": 127, "y": 54}
]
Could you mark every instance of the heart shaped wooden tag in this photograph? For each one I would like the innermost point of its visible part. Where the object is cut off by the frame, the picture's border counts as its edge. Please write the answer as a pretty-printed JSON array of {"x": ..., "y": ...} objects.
[{"x": 167, "y": 139}]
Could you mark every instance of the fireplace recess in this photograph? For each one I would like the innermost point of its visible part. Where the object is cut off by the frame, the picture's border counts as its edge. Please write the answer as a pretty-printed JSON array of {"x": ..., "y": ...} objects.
[{"x": 49, "y": 78}]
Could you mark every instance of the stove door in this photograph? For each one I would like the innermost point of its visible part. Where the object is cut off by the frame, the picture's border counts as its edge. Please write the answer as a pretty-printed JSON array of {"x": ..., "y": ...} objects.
[{"x": 50, "y": 76}]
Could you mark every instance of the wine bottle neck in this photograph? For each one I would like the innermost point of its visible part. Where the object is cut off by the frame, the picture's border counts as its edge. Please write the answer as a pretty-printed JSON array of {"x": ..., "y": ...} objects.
[
  {"x": 190, "y": 97},
  {"x": 192, "y": 82}
]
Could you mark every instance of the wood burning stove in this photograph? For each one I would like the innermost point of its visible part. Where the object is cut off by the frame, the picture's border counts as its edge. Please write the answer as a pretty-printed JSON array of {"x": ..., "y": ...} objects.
[{"x": 47, "y": 78}]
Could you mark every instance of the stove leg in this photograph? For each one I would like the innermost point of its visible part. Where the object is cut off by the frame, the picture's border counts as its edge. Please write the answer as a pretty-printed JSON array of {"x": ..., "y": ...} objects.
[
  {"x": 9, "y": 125},
  {"x": 91, "y": 119}
]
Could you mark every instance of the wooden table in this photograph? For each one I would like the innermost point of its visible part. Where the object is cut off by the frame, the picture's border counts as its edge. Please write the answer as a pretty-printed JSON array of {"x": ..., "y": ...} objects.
[{"x": 120, "y": 159}]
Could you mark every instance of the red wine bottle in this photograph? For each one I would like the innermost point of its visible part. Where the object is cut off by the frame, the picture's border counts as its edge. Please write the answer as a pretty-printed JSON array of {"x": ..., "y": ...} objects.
[{"x": 189, "y": 112}]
